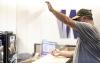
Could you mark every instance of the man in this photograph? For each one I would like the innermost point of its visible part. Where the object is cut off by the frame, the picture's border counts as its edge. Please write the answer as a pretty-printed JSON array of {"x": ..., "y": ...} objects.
[{"x": 88, "y": 46}]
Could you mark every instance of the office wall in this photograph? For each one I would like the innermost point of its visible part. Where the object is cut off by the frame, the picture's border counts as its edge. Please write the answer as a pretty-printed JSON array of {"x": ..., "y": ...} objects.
[
  {"x": 35, "y": 22},
  {"x": 8, "y": 15},
  {"x": 33, "y": 25}
]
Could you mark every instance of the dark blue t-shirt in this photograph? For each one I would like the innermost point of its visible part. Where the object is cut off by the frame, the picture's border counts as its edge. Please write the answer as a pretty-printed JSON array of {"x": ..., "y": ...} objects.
[{"x": 88, "y": 47}]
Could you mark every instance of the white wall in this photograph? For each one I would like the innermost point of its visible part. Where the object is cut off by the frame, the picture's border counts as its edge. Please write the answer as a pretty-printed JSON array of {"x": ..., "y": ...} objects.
[
  {"x": 33, "y": 25},
  {"x": 35, "y": 22},
  {"x": 8, "y": 15}
]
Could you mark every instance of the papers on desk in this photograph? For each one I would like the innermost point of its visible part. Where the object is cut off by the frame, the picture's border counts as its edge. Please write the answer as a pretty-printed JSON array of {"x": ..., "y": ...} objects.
[{"x": 51, "y": 59}]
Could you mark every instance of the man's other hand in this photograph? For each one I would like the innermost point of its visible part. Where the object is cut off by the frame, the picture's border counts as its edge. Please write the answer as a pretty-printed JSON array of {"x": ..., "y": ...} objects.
[{"x": 49, "y": 6}]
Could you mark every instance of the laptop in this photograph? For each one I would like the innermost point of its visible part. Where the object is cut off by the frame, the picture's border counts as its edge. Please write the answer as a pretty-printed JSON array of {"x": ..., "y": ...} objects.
[{"x": 47, "y": 47}]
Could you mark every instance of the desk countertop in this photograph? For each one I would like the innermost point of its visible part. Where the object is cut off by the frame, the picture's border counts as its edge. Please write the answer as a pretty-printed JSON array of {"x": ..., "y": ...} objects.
[{"x": 51, "y": 59}]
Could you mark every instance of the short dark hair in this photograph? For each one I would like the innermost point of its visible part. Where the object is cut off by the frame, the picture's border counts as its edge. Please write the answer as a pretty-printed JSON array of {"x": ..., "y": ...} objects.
[{"x": 85, "y": 12}]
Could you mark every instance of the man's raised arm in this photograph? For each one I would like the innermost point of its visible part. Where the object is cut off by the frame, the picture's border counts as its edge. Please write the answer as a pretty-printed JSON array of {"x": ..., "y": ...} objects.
[{"x": 68, "y": 21}]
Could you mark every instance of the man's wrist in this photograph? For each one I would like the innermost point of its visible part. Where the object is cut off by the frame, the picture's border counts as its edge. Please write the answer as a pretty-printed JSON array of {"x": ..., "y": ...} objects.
[
  {"x": 52, "y": 10},
  {"x": 61, "y": 53}
]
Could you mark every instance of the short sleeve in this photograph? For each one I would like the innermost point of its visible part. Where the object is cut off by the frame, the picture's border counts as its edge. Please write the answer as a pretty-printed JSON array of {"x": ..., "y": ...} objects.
[{"x": 82, "y": 26}]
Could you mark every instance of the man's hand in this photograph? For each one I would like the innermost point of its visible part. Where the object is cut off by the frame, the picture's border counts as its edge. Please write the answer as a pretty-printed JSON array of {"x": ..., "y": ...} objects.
[
  {"x": 49, "y": 6},
  {"x": 56, "y": 52},
  {"x": 67, "y": 54}
]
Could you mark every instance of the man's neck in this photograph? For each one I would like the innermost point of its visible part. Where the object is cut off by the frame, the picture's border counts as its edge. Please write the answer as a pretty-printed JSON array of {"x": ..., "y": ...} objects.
[{"x": 90, "y": 21}]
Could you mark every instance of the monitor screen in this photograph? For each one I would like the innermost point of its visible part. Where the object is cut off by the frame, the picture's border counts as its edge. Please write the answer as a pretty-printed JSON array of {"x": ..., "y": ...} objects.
[
  {"x": 12, "y": 38},
  {"x": 47, "y": 47}
]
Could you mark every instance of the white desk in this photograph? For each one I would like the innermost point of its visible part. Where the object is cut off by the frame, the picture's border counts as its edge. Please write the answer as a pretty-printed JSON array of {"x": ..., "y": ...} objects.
[{"x": 51, "y": 59}]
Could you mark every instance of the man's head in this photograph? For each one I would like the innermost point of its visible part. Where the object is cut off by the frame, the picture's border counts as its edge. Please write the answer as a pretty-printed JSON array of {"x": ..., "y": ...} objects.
[{"x": 83, "y": 14}]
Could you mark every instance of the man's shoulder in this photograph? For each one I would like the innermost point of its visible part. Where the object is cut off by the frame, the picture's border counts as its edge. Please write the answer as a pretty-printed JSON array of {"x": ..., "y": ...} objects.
[{"x": 84, "y": 24}]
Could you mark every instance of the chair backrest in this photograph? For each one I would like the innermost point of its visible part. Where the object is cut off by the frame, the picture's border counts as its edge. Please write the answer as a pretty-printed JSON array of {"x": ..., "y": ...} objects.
[{"x": 37, "y": 49}]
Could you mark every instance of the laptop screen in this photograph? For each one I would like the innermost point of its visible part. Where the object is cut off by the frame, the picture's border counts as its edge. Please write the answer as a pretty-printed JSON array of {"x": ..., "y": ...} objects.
[{"x": 47, "y": 47}]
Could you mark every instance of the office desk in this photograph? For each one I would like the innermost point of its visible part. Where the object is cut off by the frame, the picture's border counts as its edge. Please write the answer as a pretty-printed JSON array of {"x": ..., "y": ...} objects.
[{"x": 51, "y": 59}]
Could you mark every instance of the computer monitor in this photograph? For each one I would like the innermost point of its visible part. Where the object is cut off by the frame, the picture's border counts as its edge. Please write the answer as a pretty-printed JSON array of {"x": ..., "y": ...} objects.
[{"x": 47, "y": 47}]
